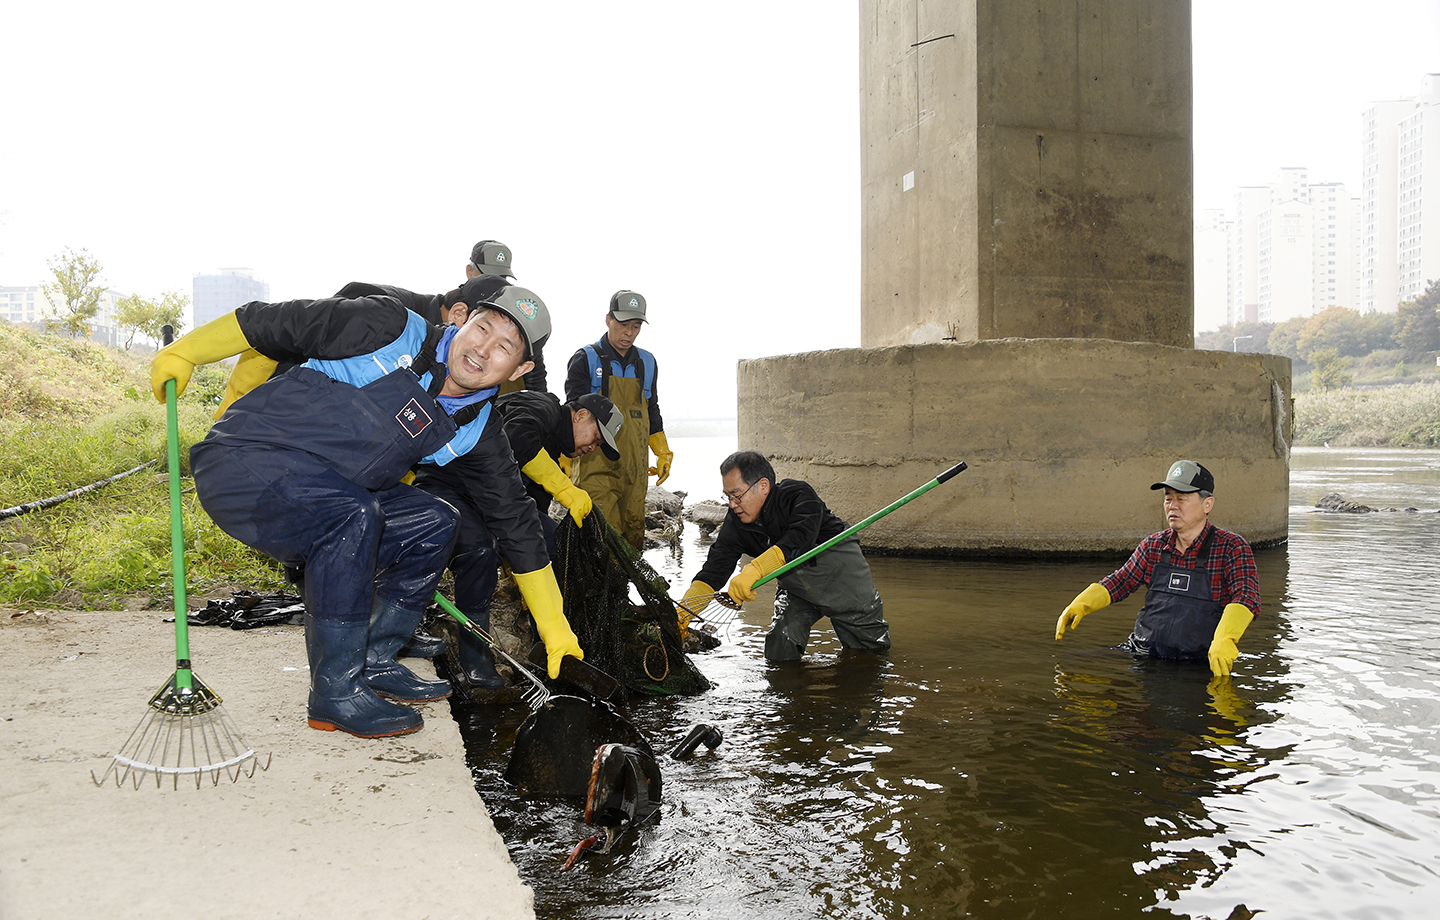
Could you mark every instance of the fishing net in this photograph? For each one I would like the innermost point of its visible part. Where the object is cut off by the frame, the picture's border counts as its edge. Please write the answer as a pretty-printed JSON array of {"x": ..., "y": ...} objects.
[{"x": 637, "y": 642}]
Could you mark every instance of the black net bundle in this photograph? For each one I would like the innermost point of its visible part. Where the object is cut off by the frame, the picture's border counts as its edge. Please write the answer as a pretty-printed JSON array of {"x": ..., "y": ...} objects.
[{"x": 638, "y": 644}]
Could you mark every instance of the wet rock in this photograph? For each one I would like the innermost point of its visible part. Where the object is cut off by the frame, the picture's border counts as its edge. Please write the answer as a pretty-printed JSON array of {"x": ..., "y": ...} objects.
[
  {"x": 1334, "y": 501},
  {"x": 707, "y": 515},
  {"x": 663, "y": 519}
]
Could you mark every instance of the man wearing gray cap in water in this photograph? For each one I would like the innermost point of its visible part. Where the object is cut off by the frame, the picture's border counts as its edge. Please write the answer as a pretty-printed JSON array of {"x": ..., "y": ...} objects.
[{"x": 1203, "y": 585}]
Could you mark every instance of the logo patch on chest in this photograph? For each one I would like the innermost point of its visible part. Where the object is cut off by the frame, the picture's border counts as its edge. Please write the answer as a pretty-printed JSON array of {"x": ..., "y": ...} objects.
[
  {"x": 413, "y": 418},
  {"x": 1179, "y": 581}
]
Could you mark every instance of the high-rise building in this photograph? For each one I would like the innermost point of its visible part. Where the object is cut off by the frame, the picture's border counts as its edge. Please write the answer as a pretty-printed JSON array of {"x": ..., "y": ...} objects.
[
  {"x": 1250, "y": 203},
  {"x": 1293, "y": 249},
  {"x": 1335, "y": 225},
  {"x": 1286, "y": 259},
  {"x": 1418, "y": 211},
  {"x": 216, "y": 294},
  {"x": 1400, "y": 224}
]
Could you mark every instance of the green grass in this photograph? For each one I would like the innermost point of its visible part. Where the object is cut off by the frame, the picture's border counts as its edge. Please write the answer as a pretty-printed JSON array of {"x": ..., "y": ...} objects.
[
  {"x": 1406, "y": 415},
  {"x": 84, "y": 412}
]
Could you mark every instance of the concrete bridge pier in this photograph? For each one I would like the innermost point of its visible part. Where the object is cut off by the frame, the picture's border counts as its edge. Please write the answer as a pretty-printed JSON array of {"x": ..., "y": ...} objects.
[{"x": 1026, "y": 288}]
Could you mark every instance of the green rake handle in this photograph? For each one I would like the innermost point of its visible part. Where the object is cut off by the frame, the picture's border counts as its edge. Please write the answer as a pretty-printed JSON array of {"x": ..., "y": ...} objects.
[
  {"x": 177, "y": 531},
  {"x": 851, "y": 531}
]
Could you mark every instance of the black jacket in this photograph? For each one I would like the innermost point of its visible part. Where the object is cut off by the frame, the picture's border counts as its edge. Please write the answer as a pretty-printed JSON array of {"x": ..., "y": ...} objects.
[
  {"x": 792, "y": 518},
  {"x": 534, "y": 422}
]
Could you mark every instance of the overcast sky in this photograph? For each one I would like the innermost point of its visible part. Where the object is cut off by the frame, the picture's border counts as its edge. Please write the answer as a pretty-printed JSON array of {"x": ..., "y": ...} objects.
[{"x": 704, "y": 155}]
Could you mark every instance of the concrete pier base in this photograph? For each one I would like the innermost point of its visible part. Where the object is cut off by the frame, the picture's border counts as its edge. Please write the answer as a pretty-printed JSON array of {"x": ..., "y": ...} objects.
[{"x": 1063, "y": 438}]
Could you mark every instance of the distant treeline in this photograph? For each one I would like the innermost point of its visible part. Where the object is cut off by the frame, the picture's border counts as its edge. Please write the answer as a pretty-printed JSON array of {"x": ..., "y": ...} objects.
[{"x": 1413, "y": 331}]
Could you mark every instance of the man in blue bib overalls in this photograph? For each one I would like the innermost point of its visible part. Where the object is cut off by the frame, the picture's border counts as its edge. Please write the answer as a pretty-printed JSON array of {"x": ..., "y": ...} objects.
[
  {"x": 308, "y": 468},
  {"x": 1203, "y": 585}
]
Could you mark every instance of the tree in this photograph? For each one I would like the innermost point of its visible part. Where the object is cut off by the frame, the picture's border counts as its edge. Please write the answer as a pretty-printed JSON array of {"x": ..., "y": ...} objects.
[
  {"x": 147, "y": 316},
  {"x": 1285, "y": 340},
  {"x": 77, "y": 288},
  {"x": 1329, "y": 372},
  {"x": 1337, "y": 328},
  {"x": 1417, "y": 324}
]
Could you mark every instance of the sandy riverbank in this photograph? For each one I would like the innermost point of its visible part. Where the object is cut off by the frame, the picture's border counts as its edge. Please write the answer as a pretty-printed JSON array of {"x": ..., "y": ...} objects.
[{"x": 338, "y": 826}]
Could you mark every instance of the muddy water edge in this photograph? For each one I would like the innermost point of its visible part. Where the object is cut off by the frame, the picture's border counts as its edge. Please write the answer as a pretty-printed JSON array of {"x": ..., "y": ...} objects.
[{"x": 981, "y": 769}]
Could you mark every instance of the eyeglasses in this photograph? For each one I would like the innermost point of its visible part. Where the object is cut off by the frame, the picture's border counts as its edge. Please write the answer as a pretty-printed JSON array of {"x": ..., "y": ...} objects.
[{"x": 735, "y": 499}]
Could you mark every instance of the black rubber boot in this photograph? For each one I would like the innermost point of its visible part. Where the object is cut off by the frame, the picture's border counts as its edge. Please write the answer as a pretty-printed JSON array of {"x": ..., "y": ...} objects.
[
  {"x": 422, "y": 645},
  {"x": 476, "y": 658},
  {"x": 390, "y": 626},
  {"x": 339, "y": 699}
]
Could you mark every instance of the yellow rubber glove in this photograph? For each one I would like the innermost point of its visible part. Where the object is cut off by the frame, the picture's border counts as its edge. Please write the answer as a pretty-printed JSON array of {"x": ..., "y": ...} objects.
[
  {"x": 1085, "y": 603},
  {"x": 564, "y": 463},
  {"x": 542, "y": 596},
  {"x": 250, "y": 371},
  {"x": 689, "y": 607},
  {"x": 544, "y": 471},
  {"x": 742, "y": 586},
  {"x": 1223, "y": 650},
  {"x": 663, "y": 456},
  {"x": 217, "y": 339}
]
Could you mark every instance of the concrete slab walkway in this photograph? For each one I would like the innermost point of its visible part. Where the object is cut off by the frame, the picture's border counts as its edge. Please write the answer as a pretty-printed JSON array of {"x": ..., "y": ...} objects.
[{"x": 338, "y": 826}]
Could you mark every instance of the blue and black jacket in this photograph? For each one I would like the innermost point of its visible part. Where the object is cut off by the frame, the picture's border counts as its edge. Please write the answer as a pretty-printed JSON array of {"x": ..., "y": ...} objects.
[{"x": 346, "y": 392}]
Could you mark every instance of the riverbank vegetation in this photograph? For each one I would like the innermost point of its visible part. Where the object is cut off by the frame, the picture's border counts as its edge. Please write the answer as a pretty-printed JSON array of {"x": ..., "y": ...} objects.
[{"x": 73, "y": 412}]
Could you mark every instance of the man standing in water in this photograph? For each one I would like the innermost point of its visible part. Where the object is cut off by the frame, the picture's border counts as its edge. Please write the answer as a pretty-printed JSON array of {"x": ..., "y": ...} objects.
[
  {"x": 1203, "y": 585},
  {"x": 777, "y": 521},
  {"x": 615, "y": 368}
]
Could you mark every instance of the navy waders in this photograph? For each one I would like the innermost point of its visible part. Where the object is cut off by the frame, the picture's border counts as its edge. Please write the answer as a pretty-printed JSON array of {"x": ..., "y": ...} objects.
[{"x": 1179, "y": 616}]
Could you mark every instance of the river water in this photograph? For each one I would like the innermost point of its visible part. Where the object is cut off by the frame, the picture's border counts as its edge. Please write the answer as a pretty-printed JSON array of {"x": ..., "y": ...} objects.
[{"x": 982, "y": 769}]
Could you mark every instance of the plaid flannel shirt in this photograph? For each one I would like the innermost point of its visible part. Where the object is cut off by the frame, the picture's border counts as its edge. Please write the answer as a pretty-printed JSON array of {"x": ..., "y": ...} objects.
[{"x": 1233, "y": 579}]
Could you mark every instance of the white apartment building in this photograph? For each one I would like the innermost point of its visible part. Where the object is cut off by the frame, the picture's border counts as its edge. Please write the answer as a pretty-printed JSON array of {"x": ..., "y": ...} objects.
[
  {"x": 1293, "y": 250},
  {"x": 1400, "y": 225},
  {"x": 1250, "y": 203},
  {"x": 1286, "y": 261},
  {"x": 31, "y": 305},
  {"x": 1335, "y": 219},
  {"x": 1418, "y": 198}
]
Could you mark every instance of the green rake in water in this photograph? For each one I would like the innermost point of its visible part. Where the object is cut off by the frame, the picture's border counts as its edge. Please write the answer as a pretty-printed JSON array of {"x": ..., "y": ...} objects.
[
  {"x": 186, "y": 731},
  {"x": 720, "y": 607}
]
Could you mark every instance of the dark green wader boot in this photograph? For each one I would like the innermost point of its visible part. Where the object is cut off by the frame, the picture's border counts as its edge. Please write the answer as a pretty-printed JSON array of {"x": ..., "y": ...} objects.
[
  {"x": 391, "y": 626},
  {"x": 339, "y": 699}
]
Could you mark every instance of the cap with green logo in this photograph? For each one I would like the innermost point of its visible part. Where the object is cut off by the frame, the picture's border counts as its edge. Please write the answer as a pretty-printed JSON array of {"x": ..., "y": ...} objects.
[
  {"x": 522, "y": 305},
  {"x": 1187, "y": 476},
  {"x": 490, "y": 257},
  {"x": 627, "y": 305}
]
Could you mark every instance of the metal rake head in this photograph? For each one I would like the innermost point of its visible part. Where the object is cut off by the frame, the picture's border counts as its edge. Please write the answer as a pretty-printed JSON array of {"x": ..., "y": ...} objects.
[{"x": 186, "y": 732}]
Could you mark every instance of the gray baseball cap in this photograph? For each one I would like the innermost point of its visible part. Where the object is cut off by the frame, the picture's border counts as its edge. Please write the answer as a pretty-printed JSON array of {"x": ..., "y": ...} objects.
[
  {"x": 1187, "y": 476},
  {"x": 490, "y": 257},
  {"x": 608, "y": 418},
  {"x": 522, "y": 305},
  {"x": 627, "y": 305}
]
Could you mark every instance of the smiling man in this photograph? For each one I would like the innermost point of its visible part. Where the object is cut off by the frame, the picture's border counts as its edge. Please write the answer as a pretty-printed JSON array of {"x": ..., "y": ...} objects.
[
  {"x": 309, "y": 468},
  {"x": 775, "y": 522},
  {"x": 1203, "y": 585}
]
